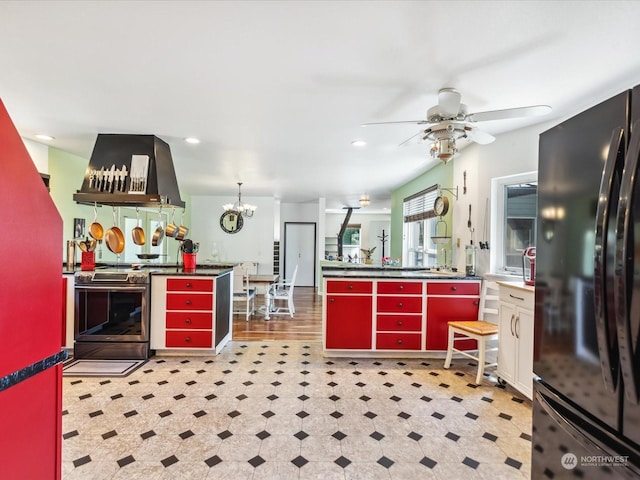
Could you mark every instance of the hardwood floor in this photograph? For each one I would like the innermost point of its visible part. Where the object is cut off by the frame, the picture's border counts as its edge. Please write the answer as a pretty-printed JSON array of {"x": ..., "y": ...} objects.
[{"x": 306, "y": 324}]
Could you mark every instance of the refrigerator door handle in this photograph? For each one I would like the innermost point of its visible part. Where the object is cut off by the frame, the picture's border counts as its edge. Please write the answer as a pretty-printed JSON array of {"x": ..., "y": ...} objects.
[
  {"x": 624, "y": 265},
  {"x": 599, "y": 442},
  {"x": 561, "y": 418},
  {"x": 604, "y": 326}
]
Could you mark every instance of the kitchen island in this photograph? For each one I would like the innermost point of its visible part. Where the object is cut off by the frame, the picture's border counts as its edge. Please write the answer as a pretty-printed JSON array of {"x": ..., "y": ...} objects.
[
  {"x": 393, "y": 311},
  {"x": 191, "y": 311}
]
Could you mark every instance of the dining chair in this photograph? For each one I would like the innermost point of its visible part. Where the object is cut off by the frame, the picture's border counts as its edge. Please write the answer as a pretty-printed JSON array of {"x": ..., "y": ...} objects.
[
  {"x": 480, "y": 330},
  {"x": 243, "y": 293},
  {"x": 281, "y": 291}
]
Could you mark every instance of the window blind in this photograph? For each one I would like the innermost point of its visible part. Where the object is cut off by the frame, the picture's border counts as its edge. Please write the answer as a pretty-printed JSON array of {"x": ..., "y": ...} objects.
[{"x": 419, "y": 206}]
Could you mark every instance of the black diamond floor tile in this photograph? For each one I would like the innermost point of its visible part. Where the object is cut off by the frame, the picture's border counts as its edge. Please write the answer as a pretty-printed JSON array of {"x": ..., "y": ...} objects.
[
  {"x": 167, "y": 462},
  {"x": 299, "y": 461},
  {"x": 123, "y": 462},
  {"x": 470, "y": 462}
]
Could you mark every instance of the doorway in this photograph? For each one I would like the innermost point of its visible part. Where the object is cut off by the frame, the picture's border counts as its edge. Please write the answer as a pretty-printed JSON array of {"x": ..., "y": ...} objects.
[{"x": 300, "y": 249}]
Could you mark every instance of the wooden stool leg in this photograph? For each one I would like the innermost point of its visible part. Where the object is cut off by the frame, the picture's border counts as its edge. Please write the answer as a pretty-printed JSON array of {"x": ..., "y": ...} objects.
[
  {"x": 482, "y": 347},
  {"x": 447, "y": 362}
]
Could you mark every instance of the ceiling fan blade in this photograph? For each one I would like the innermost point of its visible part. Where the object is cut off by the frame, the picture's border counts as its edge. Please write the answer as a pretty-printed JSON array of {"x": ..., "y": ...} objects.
[
  {"x": 531, "y": 111},
  {"x": 478, "y": 136},
  {"x": 418, "y": 122},
  {"x": 410, "y": 138},
  {"x": 448, "y": 102}
]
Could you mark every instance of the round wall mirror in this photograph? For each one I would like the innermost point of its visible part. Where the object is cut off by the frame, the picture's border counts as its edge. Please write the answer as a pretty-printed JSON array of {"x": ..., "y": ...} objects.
[{"x": 231, "y": 221}]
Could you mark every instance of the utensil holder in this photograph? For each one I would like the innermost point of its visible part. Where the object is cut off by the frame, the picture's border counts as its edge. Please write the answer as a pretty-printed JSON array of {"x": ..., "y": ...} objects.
[
  {"x": 88, "y": 261},
  {"x": 188, "y": 262}
]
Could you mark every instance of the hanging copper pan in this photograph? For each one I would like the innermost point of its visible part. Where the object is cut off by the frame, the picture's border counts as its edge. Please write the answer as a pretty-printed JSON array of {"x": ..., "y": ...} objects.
[
  {"x": 182, "y": 230},
  {"x": 95, "y": 229},
  {"x": 138, "y": 232},
  {"x": 158, "y": 234},
  {"x": 114, "y": 237},
  {"x": 172, "y": 228}
]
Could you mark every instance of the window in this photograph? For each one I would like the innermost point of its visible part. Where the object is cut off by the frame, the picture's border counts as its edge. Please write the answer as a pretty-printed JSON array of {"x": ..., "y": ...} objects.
[
  {"x": 149, "y": 221},
  {"x": 420, "y": 224},
  {"x": 351, "y": 242},
  {"x": 513, "y": 223}
]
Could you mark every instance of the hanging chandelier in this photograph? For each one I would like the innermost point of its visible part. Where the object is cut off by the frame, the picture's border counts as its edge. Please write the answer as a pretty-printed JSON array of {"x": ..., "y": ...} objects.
[{"x": 243, "y": 209}]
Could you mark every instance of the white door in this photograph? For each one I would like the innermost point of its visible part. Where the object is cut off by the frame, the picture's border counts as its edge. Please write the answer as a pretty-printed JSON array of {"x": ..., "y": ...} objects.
[{"x": 300, "y": 249}]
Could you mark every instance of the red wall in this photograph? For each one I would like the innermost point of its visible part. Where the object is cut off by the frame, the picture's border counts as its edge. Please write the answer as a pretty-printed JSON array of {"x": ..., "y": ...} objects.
[{"x": 30, "y": 313}]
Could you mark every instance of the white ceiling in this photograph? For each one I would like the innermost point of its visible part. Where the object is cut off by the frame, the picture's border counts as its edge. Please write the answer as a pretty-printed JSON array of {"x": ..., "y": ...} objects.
[{"x": 277, "y": 91}]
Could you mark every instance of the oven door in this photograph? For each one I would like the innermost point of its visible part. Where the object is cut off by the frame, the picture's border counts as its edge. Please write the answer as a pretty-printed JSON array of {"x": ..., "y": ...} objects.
[{"x": 108, "y": 318}]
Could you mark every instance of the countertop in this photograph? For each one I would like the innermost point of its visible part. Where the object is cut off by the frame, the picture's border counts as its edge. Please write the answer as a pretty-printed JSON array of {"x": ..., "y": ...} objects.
[
  {"x": 159, "y": 269},
  {"x": 395, "y": 273},
  {"x": 517, "y": 284}
]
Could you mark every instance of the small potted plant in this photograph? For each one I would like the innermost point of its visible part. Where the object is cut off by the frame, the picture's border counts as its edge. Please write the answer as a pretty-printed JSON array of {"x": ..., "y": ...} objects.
[{"x": 367, "y": 254}]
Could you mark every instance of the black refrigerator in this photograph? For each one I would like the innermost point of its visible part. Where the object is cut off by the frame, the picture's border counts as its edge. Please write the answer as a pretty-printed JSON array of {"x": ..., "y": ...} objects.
[{"x": 586, "y": 414}]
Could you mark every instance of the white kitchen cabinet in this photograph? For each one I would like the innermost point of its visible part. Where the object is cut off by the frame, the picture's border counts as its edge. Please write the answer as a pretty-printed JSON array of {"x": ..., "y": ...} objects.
[{"x": 515, "y": 351}]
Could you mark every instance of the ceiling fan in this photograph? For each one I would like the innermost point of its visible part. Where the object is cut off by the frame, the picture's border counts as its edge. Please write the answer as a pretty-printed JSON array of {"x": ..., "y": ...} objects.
[{"x": 449, "y": 121}]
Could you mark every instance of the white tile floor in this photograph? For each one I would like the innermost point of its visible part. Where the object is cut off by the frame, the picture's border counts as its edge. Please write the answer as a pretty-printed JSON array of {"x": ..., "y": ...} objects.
[{"x": 280, "y": 410}]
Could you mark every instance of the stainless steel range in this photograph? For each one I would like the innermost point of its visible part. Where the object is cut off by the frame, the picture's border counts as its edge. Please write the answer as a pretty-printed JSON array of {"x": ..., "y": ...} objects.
[{"x": 112, "y": 314}]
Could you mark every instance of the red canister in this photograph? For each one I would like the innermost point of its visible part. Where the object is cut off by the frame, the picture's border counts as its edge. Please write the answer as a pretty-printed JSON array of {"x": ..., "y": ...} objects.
[{"x": 529, "y": 266}]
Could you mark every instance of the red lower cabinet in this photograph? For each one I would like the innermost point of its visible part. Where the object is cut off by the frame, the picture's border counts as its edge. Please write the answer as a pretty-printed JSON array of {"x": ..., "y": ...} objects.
[
  {"x": 440, "y": 311},
  {"x": 348, "y": 322}
]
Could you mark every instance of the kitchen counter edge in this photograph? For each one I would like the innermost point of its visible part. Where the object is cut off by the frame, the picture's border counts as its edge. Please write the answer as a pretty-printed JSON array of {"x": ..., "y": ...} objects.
[{"x": 395, "y": 274}]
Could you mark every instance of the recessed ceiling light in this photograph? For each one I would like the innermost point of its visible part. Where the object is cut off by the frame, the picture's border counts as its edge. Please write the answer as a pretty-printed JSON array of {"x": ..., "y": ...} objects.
[
  {"x": 358, "y": 143},
  {"x": 42, "y": 136},
  {"x": 192, "y": 140}
]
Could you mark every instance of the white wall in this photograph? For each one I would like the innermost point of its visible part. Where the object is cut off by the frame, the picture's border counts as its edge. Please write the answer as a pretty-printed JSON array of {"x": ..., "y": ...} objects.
[
  {"x": 39, "y": 154},
  {"x": 511, "y": 153},
  {"x": 253, "y": 243}
]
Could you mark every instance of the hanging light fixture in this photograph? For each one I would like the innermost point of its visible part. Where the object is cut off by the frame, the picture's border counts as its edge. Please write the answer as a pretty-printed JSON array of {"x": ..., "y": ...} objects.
[
  {"x": 364, "y": 200},
  {"x": 244, "y": 209}
]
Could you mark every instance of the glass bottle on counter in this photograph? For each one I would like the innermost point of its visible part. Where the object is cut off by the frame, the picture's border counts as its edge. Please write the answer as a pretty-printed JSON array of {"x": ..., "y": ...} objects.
[{"x": 470, "y": 259}]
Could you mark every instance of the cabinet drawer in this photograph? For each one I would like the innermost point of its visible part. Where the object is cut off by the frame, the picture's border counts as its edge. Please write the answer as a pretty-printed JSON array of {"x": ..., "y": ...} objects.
[
  {"x": 398, "y": 341},
  {"x": 189, "y": 301},
  {"x": 195, "y": 320},
  {"x": 349, "y": 287},
  {"x": 189, "y": 338},
  {"x": 408, "y": 323},
  {"x": 190, "y": 285},
  {"x": 409, "y": 288},
  {"x": 516, "y": 296},
  {"x": 453, "y": 288},
  {"x": 400, "y": 304}
]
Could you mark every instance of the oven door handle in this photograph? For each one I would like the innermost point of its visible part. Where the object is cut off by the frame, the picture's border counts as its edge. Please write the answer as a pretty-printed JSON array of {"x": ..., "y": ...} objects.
[{"x": 111, "y": 287}]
